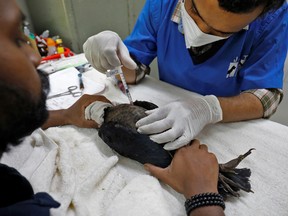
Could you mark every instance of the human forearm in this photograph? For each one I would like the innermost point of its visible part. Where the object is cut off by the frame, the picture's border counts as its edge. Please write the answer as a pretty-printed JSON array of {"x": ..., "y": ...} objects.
[
  {"x": 205, "y": 187},
  {"x": 135, "y": 76},
  {"x": 242, "y": 107},
  {"x": 207, "y": 211},
  {"x": 56, "y": 118},
  {"x": 130, "y": 75},
  {"x": 74, "y": 115},
  {"x": 68, "y": 117}
]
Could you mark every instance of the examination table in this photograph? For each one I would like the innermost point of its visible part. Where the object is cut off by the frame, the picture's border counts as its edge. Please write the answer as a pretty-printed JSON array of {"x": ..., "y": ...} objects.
[{"x": 81, "y": 172}]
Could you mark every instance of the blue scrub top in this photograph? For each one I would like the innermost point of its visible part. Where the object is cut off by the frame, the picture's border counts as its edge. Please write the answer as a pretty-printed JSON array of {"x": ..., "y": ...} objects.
[{"x": 249, "y": 59}]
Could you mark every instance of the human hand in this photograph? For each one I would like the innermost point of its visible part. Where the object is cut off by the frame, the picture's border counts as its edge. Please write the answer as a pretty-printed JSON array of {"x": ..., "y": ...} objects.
[
  {"x": 106, "y": 51},
  {"x": 192, "y": 171},
  {"x": 76, "y": 113},
  {"x": 179, "y": 122}
]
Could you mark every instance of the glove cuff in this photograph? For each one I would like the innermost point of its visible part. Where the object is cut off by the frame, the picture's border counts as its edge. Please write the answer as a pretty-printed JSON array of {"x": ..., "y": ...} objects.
[
  {"x": 95, "y": 111},
  {"x": 215, "y": 108}
]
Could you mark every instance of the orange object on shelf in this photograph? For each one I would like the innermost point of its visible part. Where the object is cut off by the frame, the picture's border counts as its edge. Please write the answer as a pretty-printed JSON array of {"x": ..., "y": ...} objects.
[
  {"x": 67, "y": 53},
  {"x": 59, "y": 46},
  {"x": 51, "y": 46}
]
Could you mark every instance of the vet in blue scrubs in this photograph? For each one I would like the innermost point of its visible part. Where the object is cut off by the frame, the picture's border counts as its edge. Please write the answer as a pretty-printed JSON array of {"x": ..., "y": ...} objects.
[{"x": 249, "y": 59}]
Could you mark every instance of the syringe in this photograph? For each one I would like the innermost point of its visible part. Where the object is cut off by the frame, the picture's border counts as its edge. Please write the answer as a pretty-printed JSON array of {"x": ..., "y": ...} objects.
[{"x": 119, "y": 71}]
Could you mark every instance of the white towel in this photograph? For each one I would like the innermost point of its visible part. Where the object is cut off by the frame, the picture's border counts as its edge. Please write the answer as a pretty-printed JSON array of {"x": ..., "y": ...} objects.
[
  {"x": 268, "y": 164},
  {"x": 88, "y": 178},
  {"x": 85, "y": 181},
  {"x": 81, "y": 172},
  {"x": 144, "y": 196}
]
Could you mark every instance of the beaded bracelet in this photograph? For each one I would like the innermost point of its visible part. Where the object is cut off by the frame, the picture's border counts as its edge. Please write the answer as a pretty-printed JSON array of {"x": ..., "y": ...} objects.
[{"x": 204, "y": 199}]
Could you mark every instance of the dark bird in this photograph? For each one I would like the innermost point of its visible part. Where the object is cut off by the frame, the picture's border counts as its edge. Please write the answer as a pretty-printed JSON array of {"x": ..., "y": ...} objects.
[{"x": 119, "y": 132}]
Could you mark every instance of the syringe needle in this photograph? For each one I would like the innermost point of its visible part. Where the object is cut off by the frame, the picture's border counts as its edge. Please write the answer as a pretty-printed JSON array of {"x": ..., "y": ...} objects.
[{"x": 125, "y": 85}]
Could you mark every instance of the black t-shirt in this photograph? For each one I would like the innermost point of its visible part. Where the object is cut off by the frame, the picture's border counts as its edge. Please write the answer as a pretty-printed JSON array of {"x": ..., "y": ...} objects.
[{"x": 17, "y": 196}]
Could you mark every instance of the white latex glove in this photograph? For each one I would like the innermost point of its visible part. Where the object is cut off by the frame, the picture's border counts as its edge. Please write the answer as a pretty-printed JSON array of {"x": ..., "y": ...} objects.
[
  {"x": 95, "y": 111},
  {"x": 177, "y": 123},
  {"x": 105, "y": 51}
]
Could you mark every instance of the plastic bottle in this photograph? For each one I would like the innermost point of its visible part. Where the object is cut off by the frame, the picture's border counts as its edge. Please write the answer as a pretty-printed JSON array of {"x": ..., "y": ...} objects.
[
  {"x": 51, "y": 46},
  {"x": 45, "y": 34},
  {"x": 60, "y": 48}
]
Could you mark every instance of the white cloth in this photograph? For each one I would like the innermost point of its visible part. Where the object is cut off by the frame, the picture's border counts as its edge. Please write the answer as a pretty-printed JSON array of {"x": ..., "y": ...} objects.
[
  {"x": 95, "y": 111},
  {"x": 88, "y": 178},
  {"x": 80, "y": 171},
  {"x": 86, "y": 173},
  {"x": 267, "y": 163}
]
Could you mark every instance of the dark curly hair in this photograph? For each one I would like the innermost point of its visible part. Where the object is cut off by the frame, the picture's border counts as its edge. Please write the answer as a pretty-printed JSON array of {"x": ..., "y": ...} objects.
[{"x": 245, "y": 6}]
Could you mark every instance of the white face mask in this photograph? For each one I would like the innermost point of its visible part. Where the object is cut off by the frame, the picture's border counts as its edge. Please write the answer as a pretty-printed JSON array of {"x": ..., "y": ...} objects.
[{"x": 193, "y": 35}]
